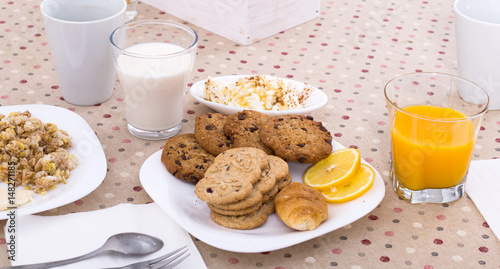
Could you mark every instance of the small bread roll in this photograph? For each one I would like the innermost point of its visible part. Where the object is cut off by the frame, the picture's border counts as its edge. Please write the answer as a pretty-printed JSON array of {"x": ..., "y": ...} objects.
[{"x": 301, "y": 207}]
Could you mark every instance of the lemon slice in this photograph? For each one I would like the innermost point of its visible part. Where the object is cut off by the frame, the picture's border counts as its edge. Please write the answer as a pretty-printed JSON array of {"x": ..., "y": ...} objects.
[
  {"x": 335, "y": 170},
  {"x": 360, "y": 183}
]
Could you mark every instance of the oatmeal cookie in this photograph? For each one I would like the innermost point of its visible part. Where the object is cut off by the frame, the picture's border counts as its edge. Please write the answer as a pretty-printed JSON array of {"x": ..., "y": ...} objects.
[
  {"x": 244, "y": 222},
  {"x": 242, "y": 163},
  {"x": 185, "y": 158},
  {"x": 297, "y": 138},
  {"x": 209, "y": 131}
]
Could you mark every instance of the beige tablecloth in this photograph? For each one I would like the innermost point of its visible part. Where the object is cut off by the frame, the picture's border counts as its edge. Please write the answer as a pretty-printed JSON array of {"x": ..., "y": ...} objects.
[{"x": 350, "y": 51}]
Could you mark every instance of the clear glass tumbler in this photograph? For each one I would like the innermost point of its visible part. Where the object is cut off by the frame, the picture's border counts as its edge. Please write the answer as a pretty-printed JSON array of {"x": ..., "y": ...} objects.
[
  {"x": 434, "y": 120},
  {"x": 154, "y": 60}
]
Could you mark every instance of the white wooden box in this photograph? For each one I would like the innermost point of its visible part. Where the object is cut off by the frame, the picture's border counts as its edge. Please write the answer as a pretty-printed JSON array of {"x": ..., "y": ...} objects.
[{"x": 242, "y": 21}]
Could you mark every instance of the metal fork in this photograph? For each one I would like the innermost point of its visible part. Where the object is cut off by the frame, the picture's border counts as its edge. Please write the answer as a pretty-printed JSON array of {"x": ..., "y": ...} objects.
[{"x": 167, "y": 261}]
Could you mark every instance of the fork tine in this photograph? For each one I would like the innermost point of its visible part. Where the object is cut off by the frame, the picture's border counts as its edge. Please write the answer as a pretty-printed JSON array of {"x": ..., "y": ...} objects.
[
  {"x": 175, "y": 263},
  {"x": 167, "y": 261},
  {"x": 153, "y": 261}
]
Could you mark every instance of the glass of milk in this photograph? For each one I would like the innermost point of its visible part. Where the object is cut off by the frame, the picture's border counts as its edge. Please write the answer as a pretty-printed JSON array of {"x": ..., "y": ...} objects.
[{"x": 154, "y": 60}]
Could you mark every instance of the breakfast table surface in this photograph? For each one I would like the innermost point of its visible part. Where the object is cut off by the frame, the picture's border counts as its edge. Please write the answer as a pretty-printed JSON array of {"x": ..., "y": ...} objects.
[{"x": 350, "y": 51}]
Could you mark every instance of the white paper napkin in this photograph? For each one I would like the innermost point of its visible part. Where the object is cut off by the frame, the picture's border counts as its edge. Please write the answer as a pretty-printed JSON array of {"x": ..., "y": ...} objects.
[
  {"x": 42, "y": 239},
  {"x": 483, "y": 187}
]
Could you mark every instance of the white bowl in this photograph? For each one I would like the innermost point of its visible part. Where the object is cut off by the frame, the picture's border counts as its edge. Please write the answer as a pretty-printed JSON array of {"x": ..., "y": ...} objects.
[{"x": 317, "y": 99}]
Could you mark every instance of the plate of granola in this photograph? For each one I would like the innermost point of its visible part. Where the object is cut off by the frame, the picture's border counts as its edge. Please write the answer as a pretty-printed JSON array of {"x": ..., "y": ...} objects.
[
  {"x": 267, "y": 94},
  {"x": 51, "y": 154},
  {"x": 177, "y": 198}
]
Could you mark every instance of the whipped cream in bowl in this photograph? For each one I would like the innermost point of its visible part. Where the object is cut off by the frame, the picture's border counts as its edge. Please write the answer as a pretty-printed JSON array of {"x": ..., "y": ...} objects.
[{"x": 267, "y": 94}]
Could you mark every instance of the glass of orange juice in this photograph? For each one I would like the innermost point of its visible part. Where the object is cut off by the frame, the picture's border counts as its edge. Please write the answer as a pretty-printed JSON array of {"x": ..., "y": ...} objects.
[{"x": 435, "y": 120}]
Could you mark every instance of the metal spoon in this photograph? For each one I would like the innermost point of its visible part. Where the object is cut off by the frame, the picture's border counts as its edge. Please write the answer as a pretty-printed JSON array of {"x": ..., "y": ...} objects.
[{"x": 124, "y": 243}]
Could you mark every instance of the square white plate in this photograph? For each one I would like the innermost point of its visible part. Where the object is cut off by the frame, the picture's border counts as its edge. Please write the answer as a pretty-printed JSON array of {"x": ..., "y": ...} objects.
[
  {"x": 177, "y": 198},
  {"x": 92, "y": 166}
]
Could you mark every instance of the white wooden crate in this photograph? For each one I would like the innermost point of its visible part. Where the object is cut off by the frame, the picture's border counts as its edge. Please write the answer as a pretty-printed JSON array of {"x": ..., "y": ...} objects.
[{"x": 242, "y": 21}]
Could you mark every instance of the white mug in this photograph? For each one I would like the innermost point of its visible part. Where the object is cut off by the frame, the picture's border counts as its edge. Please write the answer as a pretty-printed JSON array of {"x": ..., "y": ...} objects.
[
  {"x": 477, "y": 25},
  {"x": 78, "y": 35}
]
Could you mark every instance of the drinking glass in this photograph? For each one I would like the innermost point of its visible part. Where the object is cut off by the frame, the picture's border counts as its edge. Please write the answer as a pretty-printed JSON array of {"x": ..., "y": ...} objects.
[
  {"x": 434, "y": 120},
  {"x": 154, "y": 60}
]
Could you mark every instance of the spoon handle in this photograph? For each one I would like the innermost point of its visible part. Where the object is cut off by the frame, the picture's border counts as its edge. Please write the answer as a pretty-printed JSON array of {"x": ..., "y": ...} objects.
[{"x": 44, "y": 265}]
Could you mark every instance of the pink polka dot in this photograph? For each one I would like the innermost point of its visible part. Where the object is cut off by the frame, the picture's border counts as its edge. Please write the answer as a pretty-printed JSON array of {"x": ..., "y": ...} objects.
[
  {"x": 277, "y": 67},
  {"x": 272, "y": 44},
  {"x": 336, "y": 251},
  {"x": 428, "y": 267},
  {"x": 137, "y": 188},
  {"x": 120, "y": 99},
  {"x": 201, "y": 70},
  {"x": 381, "y": 123},
  {"x": 4, "y": 97},
  {"x": 254, "y": 71},
  {"x": 369, "y": 160},
  {"x": 296, "y": 62},
  {"x": 389, "y": 233},
  {"x": 373, "y": 217},
  {"x": 357, "y": 85},
  {"x": 265, "y": 252},
  {"x": 345, "y": 117},
  {"x": 438, "y": 241},
  {"x": 384, "y": 259},
  {"x": 485, "y": 224},
  {"x": 2, "y": 241},
  {"x": 366, "y": 242},
  {"x": 107, "y": 116},
  {"x": 6, "y": 62},
  {"x": 338, "y": 135},
  {"x": 441, "y": 217},
  {"x": 350, "y": 101},
  {"x": 233, "y": 261},
  {"x": 71, "y": 109},
  {"x": 126, "y": 140},
  {"x": 397, "y": 210},
  {"x": 37, "y": 66},
  {"x": 322, "y": 81},
  {"x": 483, "y": 249},
  {"x": 115, "y": 128},
  {"x": 112, "y": 160},
  {"x": 79, "y": 202}
]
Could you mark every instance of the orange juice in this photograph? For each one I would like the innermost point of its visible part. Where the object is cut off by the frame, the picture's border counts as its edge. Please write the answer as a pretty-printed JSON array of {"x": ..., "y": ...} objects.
[{"x": 433, "y": 149}]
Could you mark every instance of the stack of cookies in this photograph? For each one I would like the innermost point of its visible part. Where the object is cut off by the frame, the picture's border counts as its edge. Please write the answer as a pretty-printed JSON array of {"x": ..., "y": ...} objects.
[{"x": 240, "y": 186}]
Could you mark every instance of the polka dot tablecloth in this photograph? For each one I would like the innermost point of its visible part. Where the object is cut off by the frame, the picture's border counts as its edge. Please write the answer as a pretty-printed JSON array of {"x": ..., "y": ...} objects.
[{"x": 349, "y": 51}]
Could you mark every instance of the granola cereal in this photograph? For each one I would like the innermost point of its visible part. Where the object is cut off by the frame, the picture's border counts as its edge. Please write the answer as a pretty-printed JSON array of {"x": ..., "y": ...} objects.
[{"x": 38, "y": 150}]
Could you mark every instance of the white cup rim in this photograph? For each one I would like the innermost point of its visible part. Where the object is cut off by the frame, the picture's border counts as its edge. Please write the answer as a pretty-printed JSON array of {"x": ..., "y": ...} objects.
[
  {"x": 118, "y": 13},
  {"x": 460, "y": 12}
]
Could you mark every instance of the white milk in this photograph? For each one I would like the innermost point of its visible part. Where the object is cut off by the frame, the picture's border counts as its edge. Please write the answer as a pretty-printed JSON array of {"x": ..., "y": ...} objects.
[{"x": 154, "y": 87}]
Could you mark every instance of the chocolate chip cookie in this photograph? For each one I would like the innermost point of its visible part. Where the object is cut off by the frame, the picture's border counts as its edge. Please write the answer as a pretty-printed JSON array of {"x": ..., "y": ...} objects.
[
  {"x": 185, "y": 158},
  {"x": 297, "y": 138},
  {"x": 209, "y": 131},
  {"x": 243, "y": 129}
]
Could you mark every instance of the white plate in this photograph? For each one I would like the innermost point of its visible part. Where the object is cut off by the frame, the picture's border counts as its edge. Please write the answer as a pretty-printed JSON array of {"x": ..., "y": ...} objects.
[
  {"x": 317, "y": 99},
  {"x": 177, "y": 198},
  {"x": 92, "y": 166}
]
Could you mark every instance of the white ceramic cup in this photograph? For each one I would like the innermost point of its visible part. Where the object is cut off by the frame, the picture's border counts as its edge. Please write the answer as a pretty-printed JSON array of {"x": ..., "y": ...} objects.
[
  {"x": 477, "y": 25},
  {"x": 78, "y": 35}
]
